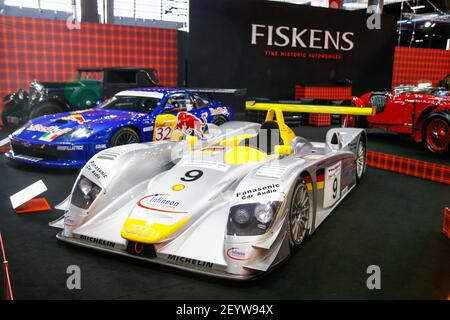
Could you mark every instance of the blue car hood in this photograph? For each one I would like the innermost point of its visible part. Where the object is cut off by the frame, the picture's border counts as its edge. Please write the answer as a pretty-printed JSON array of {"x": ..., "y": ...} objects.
[{"x": 51, "y": 127}]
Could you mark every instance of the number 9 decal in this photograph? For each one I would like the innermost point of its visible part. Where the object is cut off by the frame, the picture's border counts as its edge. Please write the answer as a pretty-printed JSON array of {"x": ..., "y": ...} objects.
[{"x": 192, "y": 175}]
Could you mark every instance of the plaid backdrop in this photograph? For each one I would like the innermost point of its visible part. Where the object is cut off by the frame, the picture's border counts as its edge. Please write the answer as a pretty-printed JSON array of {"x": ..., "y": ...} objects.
[
  {"x": 411, "y": 167},
  {"x": 322, "y": 92},
  {"x": 47, "y": 50},
  {"x": 412, "y": 65}
]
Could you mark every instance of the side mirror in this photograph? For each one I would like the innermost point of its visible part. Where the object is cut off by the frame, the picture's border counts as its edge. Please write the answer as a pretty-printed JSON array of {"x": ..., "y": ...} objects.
[
  {"x": 99, "y": 102},
  {"x": 282, "y": 149}
]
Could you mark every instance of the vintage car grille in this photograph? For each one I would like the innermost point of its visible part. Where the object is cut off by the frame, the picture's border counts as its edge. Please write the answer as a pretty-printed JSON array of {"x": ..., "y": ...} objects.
[
  {"x": 35, "y": 150},
  {"x": 378, "y": 101}
]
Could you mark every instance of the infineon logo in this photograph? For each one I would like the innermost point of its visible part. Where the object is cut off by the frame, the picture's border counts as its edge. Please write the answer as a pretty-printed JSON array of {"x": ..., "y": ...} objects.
[
  {"x": 236, "y": 254},
  {"x": 159, "y": 202}
]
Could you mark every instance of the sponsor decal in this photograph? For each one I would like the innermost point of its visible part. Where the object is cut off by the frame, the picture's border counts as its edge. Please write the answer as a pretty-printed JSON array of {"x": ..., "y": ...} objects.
[
  {"x": 188, "y": 261},
  {"x": 96, "y": 171},
  {"x": 75, "y": 117},
  {"x": 159, "y": 202},
  {"x": 48, "y": 137},
  {"x": 97, "y": 241},
  {"x": 52, "y": 129},
  {"x": 69, "y": 148},
  {"x": 218, "y": 111},
  {"x": 189, "y": 124},
  {"x": 100, "y": 146},
  {"x": 259, "y": 191},
  {"x": 147, "y": 129},
  {"x": 236, "y": 254}
]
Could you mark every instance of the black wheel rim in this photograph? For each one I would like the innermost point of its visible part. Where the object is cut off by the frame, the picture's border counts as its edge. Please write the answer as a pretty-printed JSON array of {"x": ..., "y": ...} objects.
[{"x": 125, "y": 138}]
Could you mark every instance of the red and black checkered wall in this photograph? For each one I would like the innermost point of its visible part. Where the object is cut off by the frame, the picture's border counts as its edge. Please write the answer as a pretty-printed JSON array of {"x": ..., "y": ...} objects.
[
  {"x": 47, "y": 50},
  {"x": 414, "y": 65}
]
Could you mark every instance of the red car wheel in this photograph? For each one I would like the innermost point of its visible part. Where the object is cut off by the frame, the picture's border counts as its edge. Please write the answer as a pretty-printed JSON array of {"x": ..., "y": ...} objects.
[{"x": 437, "y": 135}]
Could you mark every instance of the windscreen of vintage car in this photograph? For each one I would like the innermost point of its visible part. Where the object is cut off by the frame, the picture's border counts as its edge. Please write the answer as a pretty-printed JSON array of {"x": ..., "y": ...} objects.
[{"x": 131, "y": 103}]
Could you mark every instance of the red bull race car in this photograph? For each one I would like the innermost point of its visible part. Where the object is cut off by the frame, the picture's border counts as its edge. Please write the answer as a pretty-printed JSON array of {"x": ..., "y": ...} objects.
[{"x": 69, "y": 140}]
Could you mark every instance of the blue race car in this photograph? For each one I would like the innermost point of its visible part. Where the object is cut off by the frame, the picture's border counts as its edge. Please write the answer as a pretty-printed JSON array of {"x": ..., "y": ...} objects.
[{"x": 69, "y": 140}]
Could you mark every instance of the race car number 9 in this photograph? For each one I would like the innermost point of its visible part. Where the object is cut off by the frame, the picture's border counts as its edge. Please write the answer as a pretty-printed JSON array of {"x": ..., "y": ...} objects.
[
  {"x": 192, "y": 175},
  {"x": 332, "y": 188}
]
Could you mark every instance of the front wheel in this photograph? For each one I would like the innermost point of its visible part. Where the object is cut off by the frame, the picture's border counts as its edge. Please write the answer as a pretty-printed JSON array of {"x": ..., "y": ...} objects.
[
  {"x": 436, "y": 134},
  {"x": 299, "y": 213},
  {"x": 124, "y": 136}
]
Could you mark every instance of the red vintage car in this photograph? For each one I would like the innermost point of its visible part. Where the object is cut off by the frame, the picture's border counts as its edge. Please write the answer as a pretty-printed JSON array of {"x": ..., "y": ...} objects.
[{"x": 422, "y": 112}]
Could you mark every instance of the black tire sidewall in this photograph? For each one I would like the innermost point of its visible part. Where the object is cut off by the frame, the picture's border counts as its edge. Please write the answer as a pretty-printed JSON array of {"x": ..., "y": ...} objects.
[
  {"x": 219, "y": 120},
  {"x": 113, "y": 140}
]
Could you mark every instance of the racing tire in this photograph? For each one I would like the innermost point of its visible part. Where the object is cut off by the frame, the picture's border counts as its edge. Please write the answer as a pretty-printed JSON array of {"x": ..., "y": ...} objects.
[
  {"x": 361, "y": 159},
  {"x": 9, "y": 109},
  {"x": 45, "y": 109},
  {"x": 219, "y": 120},
  {"x": 436, "y": 133},
  {"x": 299, "y": 213},
  {"x": 124, "y": 136}
]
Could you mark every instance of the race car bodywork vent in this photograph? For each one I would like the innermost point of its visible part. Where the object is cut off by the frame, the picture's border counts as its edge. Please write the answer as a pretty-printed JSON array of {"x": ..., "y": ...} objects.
[{"x": 112, "y": 154}]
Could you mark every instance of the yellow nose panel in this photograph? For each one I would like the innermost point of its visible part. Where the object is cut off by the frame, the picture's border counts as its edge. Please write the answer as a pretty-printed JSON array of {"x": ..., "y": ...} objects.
[
  {"x": 243, "y": 155},
  {"x": 139, "y": 231}
]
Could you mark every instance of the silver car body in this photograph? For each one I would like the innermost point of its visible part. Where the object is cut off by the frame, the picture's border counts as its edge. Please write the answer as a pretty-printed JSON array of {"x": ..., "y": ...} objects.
[{"x": 170, "y": 204}]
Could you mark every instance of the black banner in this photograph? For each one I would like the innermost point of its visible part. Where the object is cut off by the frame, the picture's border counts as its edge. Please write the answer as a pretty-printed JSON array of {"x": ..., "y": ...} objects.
[{"x": 269, "y": 47}]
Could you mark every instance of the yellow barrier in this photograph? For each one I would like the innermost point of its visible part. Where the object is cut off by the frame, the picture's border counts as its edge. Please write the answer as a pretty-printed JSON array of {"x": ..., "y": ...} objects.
[{"x": 307, "y": 108}]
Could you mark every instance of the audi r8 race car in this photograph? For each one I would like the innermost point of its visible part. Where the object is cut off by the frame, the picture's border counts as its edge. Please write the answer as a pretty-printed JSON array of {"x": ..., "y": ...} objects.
[
  {"x": 231, "y": 203},
  {"x": 68, "y": 140}
]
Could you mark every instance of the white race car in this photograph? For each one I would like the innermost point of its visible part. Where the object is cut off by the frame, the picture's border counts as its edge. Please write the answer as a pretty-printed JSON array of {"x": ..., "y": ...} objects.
[{"x": 231, "y": 205}]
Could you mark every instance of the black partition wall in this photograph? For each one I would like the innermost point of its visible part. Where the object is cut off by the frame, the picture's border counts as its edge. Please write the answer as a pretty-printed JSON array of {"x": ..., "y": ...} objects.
[{"x": 269, "y": 47}]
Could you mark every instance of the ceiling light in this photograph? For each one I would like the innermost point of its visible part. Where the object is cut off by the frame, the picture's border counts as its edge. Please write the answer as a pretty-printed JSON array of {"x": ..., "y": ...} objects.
[
  {"x": 418, "y": 7},
  {"x": 427, "y": 24}
]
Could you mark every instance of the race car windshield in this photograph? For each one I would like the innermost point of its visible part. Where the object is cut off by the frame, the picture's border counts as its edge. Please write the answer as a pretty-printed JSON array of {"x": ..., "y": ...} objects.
[{"x": 131, "y": 103}]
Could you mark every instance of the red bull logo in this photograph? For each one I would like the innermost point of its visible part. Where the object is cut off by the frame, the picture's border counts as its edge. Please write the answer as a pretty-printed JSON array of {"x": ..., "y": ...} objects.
[{"x": 189, "y": 124}]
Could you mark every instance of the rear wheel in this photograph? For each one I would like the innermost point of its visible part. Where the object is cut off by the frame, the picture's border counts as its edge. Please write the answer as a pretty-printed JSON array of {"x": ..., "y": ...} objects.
[
  {"x": 436, "y": 134},
  {"x": 219, "y": 120},
  {"x": 124, "y": 136},
  {"x": 361, "y": 156},
  {"x": 44, "y": 109},
  {"x": 299, "y": 213}
]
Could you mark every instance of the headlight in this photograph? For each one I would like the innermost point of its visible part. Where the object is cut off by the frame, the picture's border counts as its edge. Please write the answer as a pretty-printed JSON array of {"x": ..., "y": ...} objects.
[
  {"x": 241, "y": 216},
  {"x": 85, "y": 192},
  {"x": 264, "y": 213},
  {"x": 76, "y": 134},
  {"x": 251, "y": 219}
]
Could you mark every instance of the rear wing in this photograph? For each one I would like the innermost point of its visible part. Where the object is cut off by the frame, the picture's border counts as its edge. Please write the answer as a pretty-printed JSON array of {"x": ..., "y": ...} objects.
[{"x": 304, "y": 107}]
